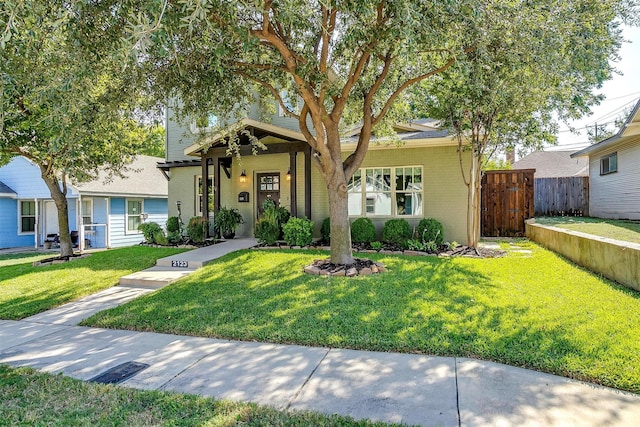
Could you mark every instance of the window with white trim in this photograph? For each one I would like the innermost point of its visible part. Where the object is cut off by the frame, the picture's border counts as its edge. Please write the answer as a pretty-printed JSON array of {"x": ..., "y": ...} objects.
[
  {"x": 199, "y": 195},
  {"x": 386, "y": 192},
  {"x": 609, "y": 164},
  {"x": 204, "y": 123},
  {"x": 87, "y": 211},
  {"x": 27, "y": 214},
  {"x": 134, "y": 214}
]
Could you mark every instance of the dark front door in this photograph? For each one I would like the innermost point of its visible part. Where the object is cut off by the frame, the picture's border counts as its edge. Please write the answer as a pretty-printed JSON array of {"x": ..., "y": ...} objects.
[{"x": 268, "y": 188}]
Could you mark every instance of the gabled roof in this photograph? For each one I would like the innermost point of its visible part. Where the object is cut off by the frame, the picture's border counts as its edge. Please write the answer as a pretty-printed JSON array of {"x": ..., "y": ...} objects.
[
  {"x": 416, "y": 134},
  {"x": 142, "y": 179},
  {"x": 6, "y": 191},
  {"x": 553, "y": 164},
  {"x": 631, "y": 128}
]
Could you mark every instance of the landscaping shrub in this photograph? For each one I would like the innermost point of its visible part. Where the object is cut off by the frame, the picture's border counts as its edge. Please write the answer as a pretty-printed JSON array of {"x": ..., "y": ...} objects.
[
  {"x": 174, "y": 237},
  {"x": 173, "y": 224},
  {"x": 298, "y": 232},
  {"x": 277, "y": 216},
  {"x": 267, "y": 232},
  {"x": 396, "y": 231},
  {"x": 430, "y": 230},
  {"x": 363, "y": 231},
  {"x": 197, "y": 229},
  {"x": 160, "y": 238},
  {"x": 325, "y": 230},
  {"x": 149, "y": 230}
]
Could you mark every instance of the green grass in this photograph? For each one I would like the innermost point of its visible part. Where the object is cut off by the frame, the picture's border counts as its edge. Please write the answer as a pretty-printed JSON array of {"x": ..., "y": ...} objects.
[
  {"x": 26, "y": 290},
  {"x": 625, "y": 230},
  {"x": 22, "y": 258},
  {"x": 539, "y": 311},
  {"x": 29, "y": 398}
]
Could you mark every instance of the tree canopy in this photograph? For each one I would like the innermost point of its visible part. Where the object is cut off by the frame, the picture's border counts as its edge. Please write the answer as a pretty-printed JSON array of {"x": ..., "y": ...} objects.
[{"x": 69, "y": 113}]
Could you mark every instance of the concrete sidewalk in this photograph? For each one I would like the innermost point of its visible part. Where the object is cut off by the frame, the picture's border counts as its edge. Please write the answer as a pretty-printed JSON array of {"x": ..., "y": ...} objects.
[{"x": 391, "y": 387}]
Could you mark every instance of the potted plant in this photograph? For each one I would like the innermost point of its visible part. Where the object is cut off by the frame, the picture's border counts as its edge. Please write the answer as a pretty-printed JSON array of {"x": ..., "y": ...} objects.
[{"x": 226, "y": 222}]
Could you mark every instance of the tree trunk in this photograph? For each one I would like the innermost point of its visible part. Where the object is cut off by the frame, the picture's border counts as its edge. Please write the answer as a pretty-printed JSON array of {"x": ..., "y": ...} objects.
[
  {"x": 341, "y": 251},
  {"x": 60, "y": 198},
  {"x": 473, "y": 203}
]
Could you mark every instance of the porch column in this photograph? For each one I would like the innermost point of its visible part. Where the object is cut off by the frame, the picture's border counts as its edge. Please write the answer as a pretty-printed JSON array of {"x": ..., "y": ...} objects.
[
  {"x": 205, "y": 186},
  {"x": 293, "y": 183},
  {"x": 307, "y": 182},
  {"x": 217, "y": 161}
]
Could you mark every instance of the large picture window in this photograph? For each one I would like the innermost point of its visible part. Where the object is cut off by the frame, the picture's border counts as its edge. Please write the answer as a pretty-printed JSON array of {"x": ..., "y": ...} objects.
[
  {"x": 386, "y": 192},
  {"x": 27, "y": 216},
  {"x": 134, "y": 214},
  {"x": 200, "y": 195},
  {"x": 609, "y": 164}
]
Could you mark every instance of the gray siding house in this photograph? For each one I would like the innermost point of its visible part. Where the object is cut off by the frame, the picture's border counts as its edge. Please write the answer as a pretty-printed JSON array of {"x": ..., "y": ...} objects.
[{"x": 614, "y": 172}]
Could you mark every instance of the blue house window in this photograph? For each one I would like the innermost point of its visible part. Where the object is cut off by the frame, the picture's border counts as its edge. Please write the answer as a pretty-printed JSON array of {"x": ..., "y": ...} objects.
[
  {"x": 27, "y": 216},
  {"x": 609, "y": 164},
  {"x": 134, "y": 214}
]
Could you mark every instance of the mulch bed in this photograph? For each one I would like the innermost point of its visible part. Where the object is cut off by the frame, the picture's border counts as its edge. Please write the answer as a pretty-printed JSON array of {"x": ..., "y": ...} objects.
[
  {"x": 59, "y": 259},
  {"x": 361, "y": 267}
]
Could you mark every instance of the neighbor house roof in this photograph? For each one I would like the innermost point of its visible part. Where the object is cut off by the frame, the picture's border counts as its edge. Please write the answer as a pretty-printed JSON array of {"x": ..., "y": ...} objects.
[
  {"x": 631, "y": 128},
  {"x": 6, "y": 191},
  {"x": 142, "y": 178},
  {"x": 553, "y": 164}
]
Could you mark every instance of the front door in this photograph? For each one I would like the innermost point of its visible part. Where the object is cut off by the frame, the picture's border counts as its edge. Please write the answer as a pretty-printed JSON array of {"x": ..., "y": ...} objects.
[
  {"x": 268, "y": 188},
  {"x": 50, "y": 218}
]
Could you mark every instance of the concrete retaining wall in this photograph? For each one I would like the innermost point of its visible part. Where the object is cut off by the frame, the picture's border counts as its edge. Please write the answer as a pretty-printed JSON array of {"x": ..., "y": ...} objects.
[{"x": 615, "y": 259}]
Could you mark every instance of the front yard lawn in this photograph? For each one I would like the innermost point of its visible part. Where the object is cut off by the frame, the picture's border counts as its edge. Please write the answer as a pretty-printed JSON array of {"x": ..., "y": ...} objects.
[
  {"x": 628, "y": 231},
  {"x": 537, "y": 311},
  {"x": 30, "y": 398},
  {"x": 26, "y": 290}
]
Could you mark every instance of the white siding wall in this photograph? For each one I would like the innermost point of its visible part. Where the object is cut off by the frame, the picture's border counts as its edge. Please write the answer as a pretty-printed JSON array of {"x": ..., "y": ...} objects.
[{"x": 616, "y": 195}]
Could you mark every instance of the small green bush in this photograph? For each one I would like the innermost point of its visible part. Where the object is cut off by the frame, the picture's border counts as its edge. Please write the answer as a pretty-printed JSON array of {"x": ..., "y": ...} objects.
[
  {"x": 376, "y": 246},
  {"x": 267, "y": 232},
  {"x": 197, "y": 229},
  {"x": 173, "y": 224},
  {"x": 149, "y": 230},
  {"x": 363, "y": 231},
  {"x": 419, "y": 245},
  {"x": 430, "y": 230},
  {"x": 298, "y": 232},
  {"x": 325, "y": 230},
  {"x": 396, "y": 231},
  {"x": 174, "y": 237},
  {"x": 160, "y": 238}
]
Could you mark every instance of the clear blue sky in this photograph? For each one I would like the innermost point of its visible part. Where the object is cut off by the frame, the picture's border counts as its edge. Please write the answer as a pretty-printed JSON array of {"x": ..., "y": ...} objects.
[{"x": 621, "y": 91}]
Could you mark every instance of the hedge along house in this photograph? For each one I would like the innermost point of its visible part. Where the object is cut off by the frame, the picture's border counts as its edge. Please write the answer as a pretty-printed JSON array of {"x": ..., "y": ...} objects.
[
  {"x": 417, "y": 178},
  {"x": 102, "y": 213}
]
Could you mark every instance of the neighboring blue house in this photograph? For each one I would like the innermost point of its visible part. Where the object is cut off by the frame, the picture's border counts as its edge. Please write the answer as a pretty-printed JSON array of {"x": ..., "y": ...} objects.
[{"x": 103, "y": 214}]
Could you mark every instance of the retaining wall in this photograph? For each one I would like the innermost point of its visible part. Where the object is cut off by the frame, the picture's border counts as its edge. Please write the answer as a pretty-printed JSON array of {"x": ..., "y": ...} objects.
[{"x": 615, "y": 259}]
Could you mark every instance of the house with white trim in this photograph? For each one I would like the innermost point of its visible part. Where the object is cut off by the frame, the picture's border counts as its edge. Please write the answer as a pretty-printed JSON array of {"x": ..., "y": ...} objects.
[{"x": 103, "y": 213}]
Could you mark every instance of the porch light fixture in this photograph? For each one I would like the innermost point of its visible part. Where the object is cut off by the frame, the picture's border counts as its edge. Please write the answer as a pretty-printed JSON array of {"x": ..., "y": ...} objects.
[
  {"x": 289, "y": 174},
  {"x": 243, "y": 176}
]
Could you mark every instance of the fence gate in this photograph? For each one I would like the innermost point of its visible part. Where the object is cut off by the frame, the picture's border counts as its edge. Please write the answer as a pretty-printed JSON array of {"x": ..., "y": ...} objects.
[{"x": 507, "y": 201}]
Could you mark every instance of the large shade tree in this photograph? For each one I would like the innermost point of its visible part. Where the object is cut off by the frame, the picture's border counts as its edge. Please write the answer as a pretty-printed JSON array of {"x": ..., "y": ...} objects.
[
  {"x": 519, "y": 82},
  {"x": 64, "y": 111},
  {"x": 349, "y": 61}
]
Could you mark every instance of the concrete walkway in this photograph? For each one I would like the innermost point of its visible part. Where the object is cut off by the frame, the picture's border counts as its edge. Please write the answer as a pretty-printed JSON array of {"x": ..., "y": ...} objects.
[{"x": 392, "y": 387}]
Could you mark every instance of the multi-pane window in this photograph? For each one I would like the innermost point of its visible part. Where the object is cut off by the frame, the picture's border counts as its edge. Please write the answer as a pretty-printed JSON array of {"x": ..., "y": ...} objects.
[
  {"x": 270, "y": 183},
  {"x": 27, "y": 216},
  {"x": 200, "y": 194},
  {"x": 87, "y": 211},
  {"x": 134, "y": 214},
  {"x": 609, "y": 164},
  {"x": 386, "y": 192}
]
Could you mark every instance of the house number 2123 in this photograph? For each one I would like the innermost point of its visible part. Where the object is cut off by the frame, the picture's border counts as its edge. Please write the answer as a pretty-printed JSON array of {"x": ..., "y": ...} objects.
[{"x": 178, "y": 263}]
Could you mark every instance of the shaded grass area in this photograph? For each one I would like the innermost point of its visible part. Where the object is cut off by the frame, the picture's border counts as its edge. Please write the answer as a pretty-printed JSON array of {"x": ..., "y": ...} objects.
[
  {"x": 538, "y": 311},
  {"x": 26, "y": 290},
  {"x": 29, "y": 398},
  {"x": 625, "y": 230},
  {"x": 23, "y": 258}
]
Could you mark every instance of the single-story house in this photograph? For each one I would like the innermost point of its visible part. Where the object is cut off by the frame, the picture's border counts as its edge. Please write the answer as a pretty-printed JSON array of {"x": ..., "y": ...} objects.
[
  {"x": 553, "y": 164},
  {"x": 102, "y": 213},
  {"x": 614, "y": 172},
  {"x": 418, "y": 178}
]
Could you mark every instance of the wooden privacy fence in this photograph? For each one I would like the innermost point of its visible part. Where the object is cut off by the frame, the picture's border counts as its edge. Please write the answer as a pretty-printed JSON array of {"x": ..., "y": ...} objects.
[
  {"x": 568, "y": 196},
  {"x": 507, "y": 201}
]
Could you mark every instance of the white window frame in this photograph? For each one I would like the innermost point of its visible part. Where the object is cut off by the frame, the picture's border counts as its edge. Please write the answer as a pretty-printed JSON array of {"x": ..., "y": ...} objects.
[
  {"x": 607, "y": 159},
  {"x": 198, "y": 207},
  {"x": 127, "y": 215},
  {"x": 85, "y": 214},
  {"x": 212, "y": 122},
  {"x": 21, "y": 216},
  {"x": 366, "y": 197}
]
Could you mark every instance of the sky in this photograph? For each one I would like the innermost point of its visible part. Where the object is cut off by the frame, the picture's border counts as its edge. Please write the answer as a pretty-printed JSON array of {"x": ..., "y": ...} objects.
[{"x": 621, "y": 92}]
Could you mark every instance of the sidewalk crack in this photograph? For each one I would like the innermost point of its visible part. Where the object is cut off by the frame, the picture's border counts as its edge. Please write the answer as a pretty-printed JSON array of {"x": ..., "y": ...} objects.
[
  {"x": 455, "y": 370},
  {"x": 306, "y": 381}
]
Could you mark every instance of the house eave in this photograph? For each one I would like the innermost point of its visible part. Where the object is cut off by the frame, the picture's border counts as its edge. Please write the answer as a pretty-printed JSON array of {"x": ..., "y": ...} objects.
[{"x": 413, "y": 143}]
